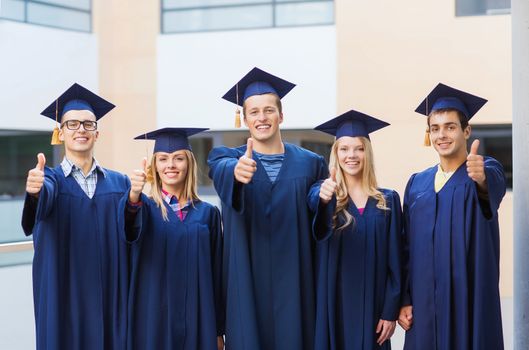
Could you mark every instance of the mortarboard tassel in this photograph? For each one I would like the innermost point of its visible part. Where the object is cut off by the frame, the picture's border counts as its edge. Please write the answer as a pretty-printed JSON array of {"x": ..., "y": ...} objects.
[
  {"x": 237, "y": 118},
  {"x": 55, "y": 135},
  {"x": 237, "y": 111},
  {"x": 427, "y": 142}
]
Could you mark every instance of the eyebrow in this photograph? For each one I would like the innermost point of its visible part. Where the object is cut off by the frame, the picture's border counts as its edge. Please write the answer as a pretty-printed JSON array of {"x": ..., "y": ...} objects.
[{"x": 448, "y": 123}]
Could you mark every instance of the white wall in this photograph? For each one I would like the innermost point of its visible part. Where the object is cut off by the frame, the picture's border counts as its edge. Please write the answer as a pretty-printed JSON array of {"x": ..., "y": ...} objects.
[
  {"x": 37, "y": 65},
  {"x": 195, "y": 70}
]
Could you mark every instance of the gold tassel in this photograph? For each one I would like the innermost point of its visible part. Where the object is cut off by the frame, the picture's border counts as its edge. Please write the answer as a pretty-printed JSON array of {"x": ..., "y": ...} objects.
[
  {"x": 427, "y": 142},
  {"x": 237, "y": 118},
  {"x": 55, "y": 137}
]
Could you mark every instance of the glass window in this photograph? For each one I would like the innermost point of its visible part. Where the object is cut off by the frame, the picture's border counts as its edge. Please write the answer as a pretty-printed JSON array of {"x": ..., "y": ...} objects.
[
  {"x": 217, "y": 19},
  {"x": 318, "y": 147},
  {"x": 176, "y": 4},
  {"x": 77, "y": 4},
  {"x": 482, "y": 7},
  {"x": 64, "y": 14},
  {"x": 201, "y": 148},
  {"x": 12, "y": 9},
  {"x": 297, "y": 14},
  {"x": 207, "y": 15},
  {"x": 495, "y": 141},
  {"x": 58, "y": 17},
  {"x": 18, "y": 154}
]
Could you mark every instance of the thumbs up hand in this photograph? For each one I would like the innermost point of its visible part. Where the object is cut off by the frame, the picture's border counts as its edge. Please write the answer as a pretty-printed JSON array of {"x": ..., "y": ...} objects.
[
  {"x": 246, "y": 166},
  {"x": 35, "y": 178},
  {"x": 475, "y": 164},
  {"x": 137, "y": 182},
  {"x": 328, "y": 187}
]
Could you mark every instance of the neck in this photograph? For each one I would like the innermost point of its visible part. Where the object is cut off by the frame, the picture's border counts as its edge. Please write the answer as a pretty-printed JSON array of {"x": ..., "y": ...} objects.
[
  {"x": 353, "y": 183},
  {"x": 82, "y": 160},
  {"x": 175, "y": 190},
  {"x": 271, "y": 146},
  {"x": 268, "y": 147},
  {"x": 450, "y": 164}
]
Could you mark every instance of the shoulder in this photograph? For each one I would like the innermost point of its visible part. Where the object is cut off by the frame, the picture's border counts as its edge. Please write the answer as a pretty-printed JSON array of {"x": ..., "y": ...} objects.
[
  {"x": 205, "y": 206},
  {"x": 226, "y": 152},
  {"x": 424, "y": 175},
  {"x": 116, "y": 177}
]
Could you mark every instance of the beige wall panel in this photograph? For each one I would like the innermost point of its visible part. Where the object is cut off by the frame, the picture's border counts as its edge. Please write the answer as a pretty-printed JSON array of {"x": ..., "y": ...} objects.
[
  {"x": 391, "y": 54},
  {"x": 127, "y": 32}
]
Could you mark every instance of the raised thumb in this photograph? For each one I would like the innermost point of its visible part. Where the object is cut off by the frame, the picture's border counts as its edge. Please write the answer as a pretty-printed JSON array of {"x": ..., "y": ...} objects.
[
  {"x": 249, "y": 148},
  {"x": 41, "y": 161},
  {"x": 333, "y": 174},
  {"x": 474, "y": 147},
  {"x": 144, "y": 164}
]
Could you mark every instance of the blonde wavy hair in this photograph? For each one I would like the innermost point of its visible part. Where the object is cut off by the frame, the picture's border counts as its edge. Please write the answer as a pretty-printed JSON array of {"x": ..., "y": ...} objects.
[
  {"x": 369, "y": 184},
  {"x": 190, "y": 192}
]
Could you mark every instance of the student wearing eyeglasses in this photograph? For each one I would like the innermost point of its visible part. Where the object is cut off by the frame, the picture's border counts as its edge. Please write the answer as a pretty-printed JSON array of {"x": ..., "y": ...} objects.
[{"x": 79, "y": 266}]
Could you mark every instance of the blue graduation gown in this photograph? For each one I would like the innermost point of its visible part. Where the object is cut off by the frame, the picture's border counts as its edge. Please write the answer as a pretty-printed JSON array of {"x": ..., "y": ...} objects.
[
  {"x": 79, "y": 266},
  {"x": 268, "y": 250},
  {"x": 174, "y": 298},
  {"x": 358, "y": 272},
  {"x": 452, "y": 261}
]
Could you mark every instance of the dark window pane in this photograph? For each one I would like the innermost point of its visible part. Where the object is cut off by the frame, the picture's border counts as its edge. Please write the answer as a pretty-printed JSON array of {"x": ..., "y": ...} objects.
[
  {"x": 201, "y": 148},
  {"x": 321, "y": 148},
  {"x": 496, "y": 142},
  {"x": 482, "y": 7}
]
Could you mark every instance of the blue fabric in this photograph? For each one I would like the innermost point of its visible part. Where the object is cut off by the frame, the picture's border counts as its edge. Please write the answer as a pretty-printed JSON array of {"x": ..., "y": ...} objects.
[
  {"x": 444, "y": 96},
  {"x": 257, "y": 82},
  {"x": 268, "y": 274},
  {"x": 77, "y": 97},
  {"x": 169, "y": 140},
  {"x": 80, "y": 264},
  {"x": 175, "y": 297},
  {"x": 352, "y": 123},
  {"x": 272, "y": 164},
  {"x": 76, "y": 105},
  {"x": 452, "y": 261},
  {"x": 358, "y": 272}
]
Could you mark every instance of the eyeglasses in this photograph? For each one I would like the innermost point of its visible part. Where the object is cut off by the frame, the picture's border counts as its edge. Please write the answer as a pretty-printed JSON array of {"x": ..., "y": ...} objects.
[{"x": 88, "y": 125}]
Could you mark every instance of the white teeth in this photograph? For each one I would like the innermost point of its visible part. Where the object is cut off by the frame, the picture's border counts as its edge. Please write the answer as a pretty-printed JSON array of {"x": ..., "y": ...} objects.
[{"x": 260, "y": 127}]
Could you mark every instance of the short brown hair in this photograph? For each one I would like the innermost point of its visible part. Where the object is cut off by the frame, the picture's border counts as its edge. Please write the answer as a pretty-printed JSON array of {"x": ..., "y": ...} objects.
[{"x": 462, "y": 118}]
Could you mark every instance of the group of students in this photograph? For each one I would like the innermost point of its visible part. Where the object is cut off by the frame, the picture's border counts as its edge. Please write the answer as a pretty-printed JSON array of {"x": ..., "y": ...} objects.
[{"x": 303, "y": 256}]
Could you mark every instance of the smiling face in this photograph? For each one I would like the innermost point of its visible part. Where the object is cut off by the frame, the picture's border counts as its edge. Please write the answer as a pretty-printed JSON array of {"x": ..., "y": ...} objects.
[
  {"x": 172, "y": 168},
  {"x": 351, "y": 156},
  {"x": 78, "y": 141},
  {"x": 262, "y": 116},
  {"x": 448, "y": 137}
]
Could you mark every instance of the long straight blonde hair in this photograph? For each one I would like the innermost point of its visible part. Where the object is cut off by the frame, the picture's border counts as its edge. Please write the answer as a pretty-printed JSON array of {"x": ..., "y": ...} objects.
[
  {"x": 369, "y": 184},
  {"x": 190, "y": 192}
]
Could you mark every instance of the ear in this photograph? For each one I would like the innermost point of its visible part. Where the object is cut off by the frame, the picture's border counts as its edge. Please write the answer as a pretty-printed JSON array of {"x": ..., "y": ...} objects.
[
  {"x": 244, "y": 120},
  {"x": 61, "y": 134},
  {"x": 467, "y": 132},
  {"x": 96, "y": 135},
  {"x": 280, "y": 118}
]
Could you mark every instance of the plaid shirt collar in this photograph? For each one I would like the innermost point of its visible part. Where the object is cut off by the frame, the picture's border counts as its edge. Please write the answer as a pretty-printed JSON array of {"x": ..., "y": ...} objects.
[
  {"x": 173, "y": 201},
  {"x": 68, "y": 166}
]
